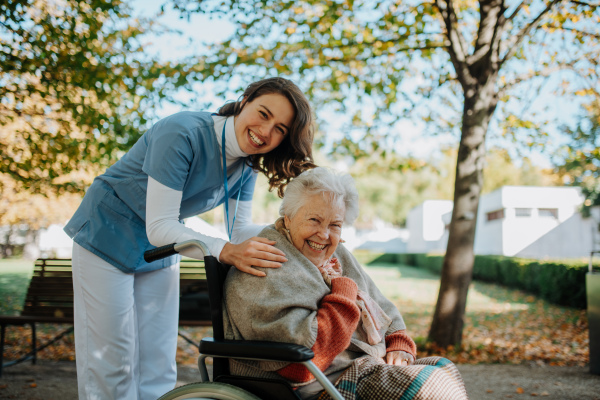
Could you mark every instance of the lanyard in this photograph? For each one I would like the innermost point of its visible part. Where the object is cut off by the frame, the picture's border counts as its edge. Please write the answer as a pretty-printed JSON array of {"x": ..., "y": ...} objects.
[{"x": 230, "y": 229}]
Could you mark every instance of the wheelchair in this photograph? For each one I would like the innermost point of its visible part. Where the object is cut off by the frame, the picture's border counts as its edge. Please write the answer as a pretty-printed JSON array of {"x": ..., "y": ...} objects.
[{"x": 225, "y": 386}]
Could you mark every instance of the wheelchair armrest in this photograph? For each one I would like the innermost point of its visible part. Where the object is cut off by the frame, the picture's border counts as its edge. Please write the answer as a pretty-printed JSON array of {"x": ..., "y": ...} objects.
[{"x": 256, "y": 350}]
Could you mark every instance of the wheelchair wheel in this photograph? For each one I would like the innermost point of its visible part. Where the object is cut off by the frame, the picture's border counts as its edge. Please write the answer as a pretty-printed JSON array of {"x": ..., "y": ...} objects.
[{"x": 208, "y": 391}]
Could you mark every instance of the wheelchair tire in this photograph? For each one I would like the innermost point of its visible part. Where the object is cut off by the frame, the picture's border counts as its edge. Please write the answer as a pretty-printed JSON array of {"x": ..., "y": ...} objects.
[{"x": 208, "y": 391}]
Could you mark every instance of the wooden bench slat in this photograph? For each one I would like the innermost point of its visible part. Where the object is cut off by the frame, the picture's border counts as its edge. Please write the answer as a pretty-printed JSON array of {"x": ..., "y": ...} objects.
[
  {"x": 50, "y": 300},
  {"x": 37, "y": 284},
  {"x": 26, "y": 319},
  {"x": 48, "y": 292},
  {"x": 64, "y": 313}
]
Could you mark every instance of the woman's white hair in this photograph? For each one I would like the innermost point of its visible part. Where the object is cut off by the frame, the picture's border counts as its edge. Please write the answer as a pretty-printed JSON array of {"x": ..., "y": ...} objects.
[{"x": 321, "y": 180}]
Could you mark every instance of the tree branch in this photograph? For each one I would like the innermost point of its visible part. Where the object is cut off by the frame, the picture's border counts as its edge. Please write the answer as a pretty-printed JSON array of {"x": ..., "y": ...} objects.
[
  {"x": 489, "y": 34},
  {"x": 503, "y": 19},
  {"x": 514, "y": 44},
  {"x": 525, "y": 77},
  {"x": 594, "y": 35},
  {"x": 514, "y": 14},
  {"x": 438, "y": 45},
  {"x": 407, "y": 48},
  {"x": 590, "y": 83},
  {"x": 490, "y": 12},
  {"x": 457, "y": 46},
  {"x": 581, "y": 3},
  {"x": 431, "y": 45}
]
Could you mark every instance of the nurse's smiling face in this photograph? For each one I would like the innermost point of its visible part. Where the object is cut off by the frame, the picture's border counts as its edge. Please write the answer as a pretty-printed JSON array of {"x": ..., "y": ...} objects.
[
  {"x": 316, "y": 228},
  {"x": 263, "y": 123}
]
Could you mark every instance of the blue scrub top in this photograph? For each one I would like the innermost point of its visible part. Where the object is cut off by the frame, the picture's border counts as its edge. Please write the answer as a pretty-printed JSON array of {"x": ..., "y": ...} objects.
[{"x": 181, "y": 152}]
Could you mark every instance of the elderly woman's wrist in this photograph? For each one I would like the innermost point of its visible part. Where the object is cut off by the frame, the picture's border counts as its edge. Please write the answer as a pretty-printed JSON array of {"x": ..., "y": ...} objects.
[
  {"x": 400, "y": 341},
  {"x": 345, "y": 286}
]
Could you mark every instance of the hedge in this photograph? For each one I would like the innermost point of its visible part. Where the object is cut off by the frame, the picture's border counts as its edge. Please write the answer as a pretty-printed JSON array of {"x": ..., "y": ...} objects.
[{"x": 560, "y": 281}]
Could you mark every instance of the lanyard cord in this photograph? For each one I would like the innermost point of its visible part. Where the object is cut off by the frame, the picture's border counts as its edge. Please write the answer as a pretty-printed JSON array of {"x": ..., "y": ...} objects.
[{"x": 230, "y": 229}]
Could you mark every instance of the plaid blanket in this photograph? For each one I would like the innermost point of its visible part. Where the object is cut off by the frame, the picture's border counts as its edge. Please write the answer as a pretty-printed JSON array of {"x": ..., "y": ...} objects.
[{"x": 431, "y": 378}]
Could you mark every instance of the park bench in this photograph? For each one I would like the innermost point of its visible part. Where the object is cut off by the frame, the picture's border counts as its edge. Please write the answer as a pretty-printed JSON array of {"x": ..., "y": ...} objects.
[{"x": 49, "y": 300}]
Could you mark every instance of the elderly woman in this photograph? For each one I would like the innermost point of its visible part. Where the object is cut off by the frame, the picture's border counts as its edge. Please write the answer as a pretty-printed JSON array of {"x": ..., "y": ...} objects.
[{"x": 322, "y": 298}]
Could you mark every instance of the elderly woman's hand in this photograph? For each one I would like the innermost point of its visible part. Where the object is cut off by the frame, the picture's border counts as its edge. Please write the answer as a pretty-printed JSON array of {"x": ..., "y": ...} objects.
[
  {"x": 254, "y": 252},
  {"x": 331, "y": 270},
  {"x": 400, "y": 358}
]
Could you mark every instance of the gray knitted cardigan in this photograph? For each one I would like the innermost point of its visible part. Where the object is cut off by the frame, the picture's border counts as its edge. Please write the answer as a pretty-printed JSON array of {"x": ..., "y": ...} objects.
[{"x": 282, "y": 307}]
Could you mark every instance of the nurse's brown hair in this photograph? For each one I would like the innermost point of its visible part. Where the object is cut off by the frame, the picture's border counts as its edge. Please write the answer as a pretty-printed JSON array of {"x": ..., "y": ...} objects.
[{"x": 294, "y": 155}]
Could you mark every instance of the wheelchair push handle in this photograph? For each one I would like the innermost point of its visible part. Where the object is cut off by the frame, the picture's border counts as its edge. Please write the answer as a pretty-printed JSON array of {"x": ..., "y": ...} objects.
[
  {"x": 160, "y": 252},
  {"x": 174, "y": 248}
]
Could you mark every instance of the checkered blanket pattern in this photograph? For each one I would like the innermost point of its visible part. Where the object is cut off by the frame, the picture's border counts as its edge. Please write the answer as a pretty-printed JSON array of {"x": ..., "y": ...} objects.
[{"x": 431, "y": 378}]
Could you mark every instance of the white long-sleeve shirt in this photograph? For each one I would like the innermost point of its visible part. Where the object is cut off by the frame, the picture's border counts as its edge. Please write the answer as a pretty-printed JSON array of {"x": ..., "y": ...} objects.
[{"x": 163, "y": 207}]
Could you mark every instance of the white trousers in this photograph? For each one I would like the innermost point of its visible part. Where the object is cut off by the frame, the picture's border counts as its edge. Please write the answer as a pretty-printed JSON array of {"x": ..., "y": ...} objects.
[{"x": 125, "y": 329}]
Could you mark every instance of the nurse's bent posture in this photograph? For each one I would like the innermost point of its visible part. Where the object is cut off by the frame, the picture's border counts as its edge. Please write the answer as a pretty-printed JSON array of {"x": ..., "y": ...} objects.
[{"x": 126, "y": 310}]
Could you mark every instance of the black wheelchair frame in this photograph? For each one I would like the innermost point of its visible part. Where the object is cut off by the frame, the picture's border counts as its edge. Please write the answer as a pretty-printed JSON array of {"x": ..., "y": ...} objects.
[{"x": 221, "y": 349}]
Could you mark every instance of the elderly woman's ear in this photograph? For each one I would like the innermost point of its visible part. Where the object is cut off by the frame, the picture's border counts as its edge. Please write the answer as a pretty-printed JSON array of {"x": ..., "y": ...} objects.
[{"x": 286, "y": 223}]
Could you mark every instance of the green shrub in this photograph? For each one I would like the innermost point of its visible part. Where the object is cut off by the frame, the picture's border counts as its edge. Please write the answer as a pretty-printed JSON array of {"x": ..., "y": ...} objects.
[
  {"x": 560, "y": 281},
  {"x": 434, "y": 264},
  {"x": 487, "y": 268}
]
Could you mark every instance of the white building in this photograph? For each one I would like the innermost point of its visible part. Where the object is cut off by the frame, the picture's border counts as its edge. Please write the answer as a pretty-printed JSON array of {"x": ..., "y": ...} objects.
[
  {"x": 426, "y": 226},
  {"x": 383, "y": 238},
  {"x": 520, "y": 221}
]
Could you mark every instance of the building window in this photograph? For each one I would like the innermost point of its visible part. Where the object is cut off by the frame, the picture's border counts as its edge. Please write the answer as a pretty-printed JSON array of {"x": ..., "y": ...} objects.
[
  {"x": 498, "y": 214},
  {"x": 523, "y": 212},
  {"x": 548, "y": 212}
]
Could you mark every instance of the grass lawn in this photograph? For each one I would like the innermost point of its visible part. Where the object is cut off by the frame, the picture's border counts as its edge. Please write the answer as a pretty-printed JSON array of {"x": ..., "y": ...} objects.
[
  {"x": 14, "y": 278},
  {"x": 501, "y": 325}
]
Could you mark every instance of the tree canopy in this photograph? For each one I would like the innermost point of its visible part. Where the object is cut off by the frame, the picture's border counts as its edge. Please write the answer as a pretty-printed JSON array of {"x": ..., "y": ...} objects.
[
  {"x": 382, "y": 61},
  {"x": 579, "y": 163},
  {"x": 76, "y": 89}
]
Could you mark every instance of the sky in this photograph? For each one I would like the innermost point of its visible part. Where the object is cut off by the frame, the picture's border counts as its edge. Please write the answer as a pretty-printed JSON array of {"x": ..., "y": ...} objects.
[{"x": 201, "y": 29}]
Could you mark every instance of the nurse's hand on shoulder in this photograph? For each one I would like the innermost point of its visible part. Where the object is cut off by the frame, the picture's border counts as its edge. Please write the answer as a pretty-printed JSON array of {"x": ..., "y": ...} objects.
[{"x": 254, "y": 252}]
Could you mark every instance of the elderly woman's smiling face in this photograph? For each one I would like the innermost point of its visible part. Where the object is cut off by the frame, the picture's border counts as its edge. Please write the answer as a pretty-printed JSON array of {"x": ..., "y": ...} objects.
[{"x": 316, "y": 228}]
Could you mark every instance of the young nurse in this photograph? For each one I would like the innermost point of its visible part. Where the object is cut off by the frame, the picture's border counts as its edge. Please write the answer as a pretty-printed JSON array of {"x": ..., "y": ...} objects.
[{"x": 126, "y": 310}]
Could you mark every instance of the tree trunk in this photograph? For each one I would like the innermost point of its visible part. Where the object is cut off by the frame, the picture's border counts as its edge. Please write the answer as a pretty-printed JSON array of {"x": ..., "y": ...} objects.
[{"x": 448, "y": 319}]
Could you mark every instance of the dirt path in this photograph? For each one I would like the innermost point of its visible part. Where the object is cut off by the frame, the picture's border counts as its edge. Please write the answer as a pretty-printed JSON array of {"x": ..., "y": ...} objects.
[{"x": 52, "y": 380}]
